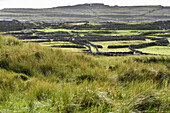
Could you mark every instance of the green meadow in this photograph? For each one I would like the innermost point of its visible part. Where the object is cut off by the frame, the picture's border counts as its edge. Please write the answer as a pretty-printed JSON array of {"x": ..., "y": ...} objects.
[
  {"x": 104, "y": 44},
  {"x": 35, "y": 78}
]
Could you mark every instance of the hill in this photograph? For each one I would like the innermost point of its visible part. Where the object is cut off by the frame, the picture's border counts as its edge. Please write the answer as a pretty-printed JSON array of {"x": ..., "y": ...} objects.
[
  {"x": 41, "y": 79},
  {"x": 89, "y": 12}
]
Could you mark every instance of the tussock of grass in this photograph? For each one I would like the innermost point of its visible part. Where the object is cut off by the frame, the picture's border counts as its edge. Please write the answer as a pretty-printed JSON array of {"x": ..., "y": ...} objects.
[
  {"x": 138, "y": 68},
  {"x": 34, "y": 60},
  {"x": 8, "y": 41},
  {"x": 41, "y": 79}
]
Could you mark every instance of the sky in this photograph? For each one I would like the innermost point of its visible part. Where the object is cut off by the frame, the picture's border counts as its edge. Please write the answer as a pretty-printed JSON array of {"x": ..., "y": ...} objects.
[{"x": 55, "y": 3}]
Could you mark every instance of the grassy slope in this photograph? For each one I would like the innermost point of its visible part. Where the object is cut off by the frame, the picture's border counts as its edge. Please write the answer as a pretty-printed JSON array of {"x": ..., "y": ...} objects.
[{"x": 40, "y": 79}]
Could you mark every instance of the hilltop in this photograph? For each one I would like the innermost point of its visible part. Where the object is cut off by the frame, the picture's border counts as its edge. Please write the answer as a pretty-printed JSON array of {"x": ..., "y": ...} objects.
[{"x": 89, "y": 12}]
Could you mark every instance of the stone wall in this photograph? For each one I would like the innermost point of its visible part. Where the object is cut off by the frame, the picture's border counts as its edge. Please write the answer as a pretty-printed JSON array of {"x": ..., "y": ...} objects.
[{"x": 11, "y": 26}]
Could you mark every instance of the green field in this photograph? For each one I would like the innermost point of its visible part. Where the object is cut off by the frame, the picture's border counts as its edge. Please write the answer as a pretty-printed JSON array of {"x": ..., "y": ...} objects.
[
  {"x": 104, "y": 44},
  {"x": 35, "y": 78},
  {"x": 56, "y": 43},
  {"x": 157, "y": 50},
  {"x": 91, "y": 32},
  {"x": 131, "y": 42},
  {"x": 115, "y": 50}
]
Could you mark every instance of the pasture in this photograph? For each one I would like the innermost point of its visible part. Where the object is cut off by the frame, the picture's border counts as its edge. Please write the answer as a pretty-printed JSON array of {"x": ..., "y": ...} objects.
[
  {"x": 98, "y": 42},
  {"x": 68, "y": 68}
]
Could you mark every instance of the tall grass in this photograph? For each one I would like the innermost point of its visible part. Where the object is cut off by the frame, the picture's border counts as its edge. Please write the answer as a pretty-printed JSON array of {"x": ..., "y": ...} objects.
[
  {"x": 34, "y": 60},
  {"x": 40, "y": 79}
]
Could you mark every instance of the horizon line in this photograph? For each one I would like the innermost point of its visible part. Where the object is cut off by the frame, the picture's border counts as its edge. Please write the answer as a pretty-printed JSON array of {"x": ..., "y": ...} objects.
[{"x": 87, "y": 4}]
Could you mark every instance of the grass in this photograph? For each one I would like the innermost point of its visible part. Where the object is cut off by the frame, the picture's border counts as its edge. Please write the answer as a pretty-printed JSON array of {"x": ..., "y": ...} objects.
[
  {"x": 79, "y": 23},
  {"x": 115, "y": 50},
  {"x": 92, "y": 32},
  {"x": 104, "y": 44},
  {"x": 56, "y": 43},
  {"x": 165, "y": 50},
  {"x": 131, "y": 42},
  {"x": 40, "y": 79},
  {"x": 63, "y": 43},
  {"x": 35, "y": 55},
  {"x": 94, "y": 23},
  {"x": 33, "y": 39},
  {"x": 154, "y": 49},
  {"x": 74, "y": 50},
  {"x": 136, "y": 22}
]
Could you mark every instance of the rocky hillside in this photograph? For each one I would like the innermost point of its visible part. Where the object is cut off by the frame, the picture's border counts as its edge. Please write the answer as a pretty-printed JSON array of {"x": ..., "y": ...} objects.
[{"x": 89, "y": 12}]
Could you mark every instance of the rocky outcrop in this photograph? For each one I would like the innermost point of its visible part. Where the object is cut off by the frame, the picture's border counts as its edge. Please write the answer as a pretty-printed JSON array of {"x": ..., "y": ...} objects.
[{"x": 11, "y": 26}]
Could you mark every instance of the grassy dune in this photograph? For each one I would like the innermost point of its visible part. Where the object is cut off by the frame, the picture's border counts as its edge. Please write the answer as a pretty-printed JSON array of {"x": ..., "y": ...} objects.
[{"x": 41, "y": 79}]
